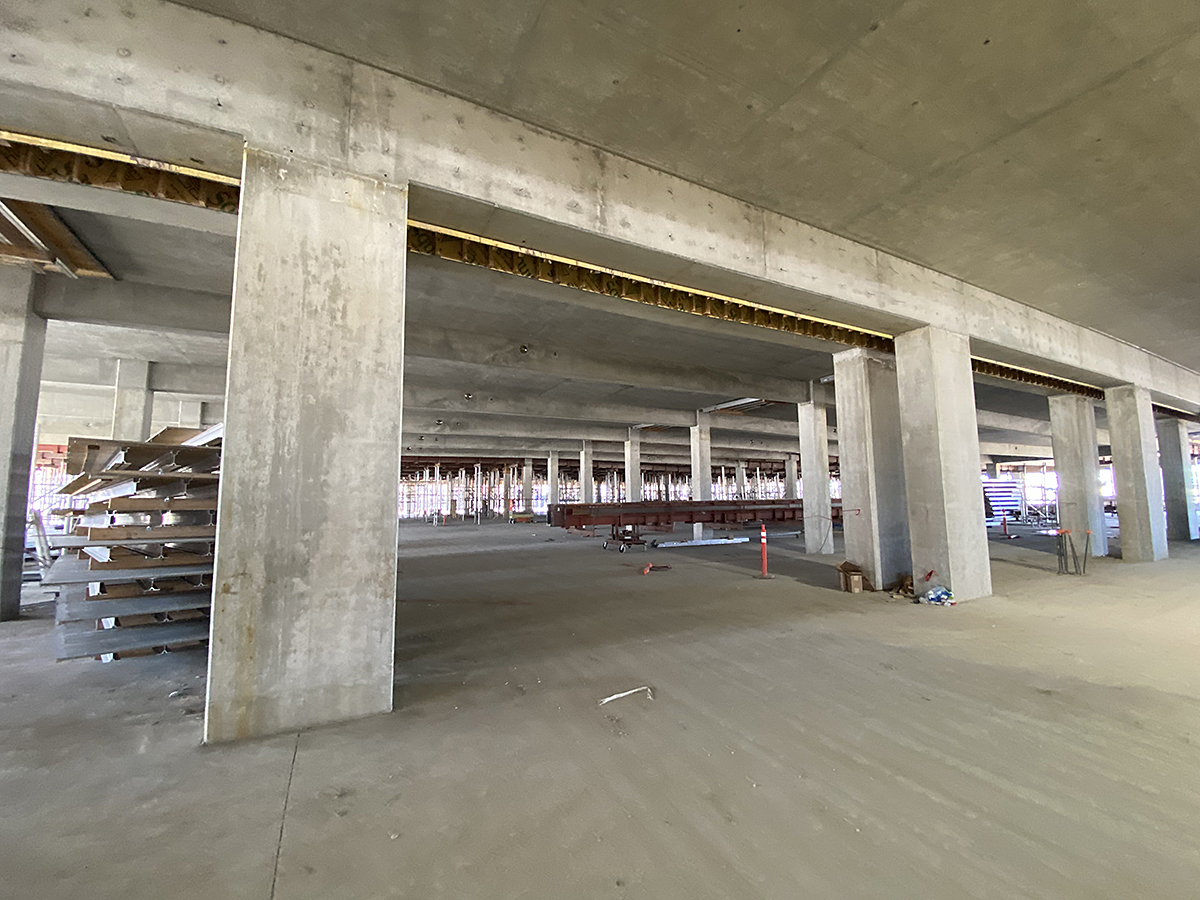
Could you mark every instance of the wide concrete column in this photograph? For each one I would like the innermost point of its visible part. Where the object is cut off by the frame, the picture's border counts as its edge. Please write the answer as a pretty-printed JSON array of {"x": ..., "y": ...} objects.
[
  {"x": 814, "y": 472},
  {"x": 874, "y": 502},
  {"x": 633, "y": 466},
  {"x": 527, "y": 485},
  {"x": 587, "y": 486},
  {"x": 740, "y": 479},
  {"x": 1140, "y": 511},
  {"x": 191, "y": 414},
  {"x": 552, "y": 493},
  {"x": 1077, "y": 465},
  {"x": 22, "y": 338},
  {"x": 506, "y": 487},
  {"x": 791, "y": 475},
  {"x": 940, "y": 439},
  {"x": 1179, "y": 487},
  {"x": 304, "y": 593},
  {"x": 133, "y": 403}
]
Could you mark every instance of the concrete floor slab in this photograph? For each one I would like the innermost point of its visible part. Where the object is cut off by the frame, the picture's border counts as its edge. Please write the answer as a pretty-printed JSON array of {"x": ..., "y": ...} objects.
[{"x": 800, "y": 741}]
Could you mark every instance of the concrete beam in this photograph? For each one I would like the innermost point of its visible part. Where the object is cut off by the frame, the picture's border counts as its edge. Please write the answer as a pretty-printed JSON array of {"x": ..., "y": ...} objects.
[
  {"x": 517, "y": 448},
  {"x": 418, "y": 427},
  {"x": 121, "y": 204},
  {"x": 563, "y": 361},
  {"x": 420, "y": 399},
  {"x": 133, "y": 304}
]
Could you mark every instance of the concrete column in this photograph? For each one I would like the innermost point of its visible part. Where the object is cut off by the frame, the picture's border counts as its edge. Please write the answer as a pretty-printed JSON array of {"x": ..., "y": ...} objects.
[
  {"x": 940, "y": 439},
  {"x": 304, "y": 592},
  {"x": 133, "y": 403},
  {"x": 191, "y": 414},
  {"x": 22, "y": 338},
  {"x": 814, "y": 470},
  {"x": 633, "y": 466},
  {"x": 552, "y": 496},
  {"x": 992, "y": 470},
  {"x": 478, "y": 509},
  {"x": 701, "y": 468},
  {"x": 791, "y": 475},
  {"x": 740, "y": 479},
  {"x": 1179, "y": 488},
  {"x": 1140, "y": 505},
  {"x": 527, "y": 486},
  {"x": 874, "y": 502},
  {"x": 507, "y": 488},
  {"x": 587, "y": 487},
  {"x": 1077, "y": 466},
  {"x": 701, "y": 458}
]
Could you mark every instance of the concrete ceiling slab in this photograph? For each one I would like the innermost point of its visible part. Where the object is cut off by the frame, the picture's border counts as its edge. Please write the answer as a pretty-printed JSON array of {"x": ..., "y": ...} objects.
[{"x": 1043, "y": 151}]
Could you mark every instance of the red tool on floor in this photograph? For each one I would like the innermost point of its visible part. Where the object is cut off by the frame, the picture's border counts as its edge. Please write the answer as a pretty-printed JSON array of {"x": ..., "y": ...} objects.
[{"x": 653, "y": 568}]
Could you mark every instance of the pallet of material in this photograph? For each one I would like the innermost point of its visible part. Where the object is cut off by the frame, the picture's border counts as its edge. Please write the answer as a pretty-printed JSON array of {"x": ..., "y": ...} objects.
[{"x": 135, "y": 576}]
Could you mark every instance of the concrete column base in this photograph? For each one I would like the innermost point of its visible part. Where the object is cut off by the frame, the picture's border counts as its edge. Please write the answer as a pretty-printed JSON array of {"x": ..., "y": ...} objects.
[
  {"x": 874, "y": 504},
  {"x": 587, "y": 484},
  {"x": 22, "y": 339},
  {"x": 1179, "y": 487},
  {"x": 1140, "y": 502},
  {"x": 940, "y": 439},
  {"x": 633, "y": 466},
  {"x": 1077, "y": 464},
  {"x": 701, "y": 445},
  {"x": 552, "y": 491},
  {"x": 304, "y": 592},
  {"x": 814, "y": 473},
  {"x": 133, "y": 404}
]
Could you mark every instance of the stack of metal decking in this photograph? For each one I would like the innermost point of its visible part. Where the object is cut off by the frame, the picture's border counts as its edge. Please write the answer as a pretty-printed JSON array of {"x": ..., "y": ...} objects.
[{"x": 134, "y": 571}]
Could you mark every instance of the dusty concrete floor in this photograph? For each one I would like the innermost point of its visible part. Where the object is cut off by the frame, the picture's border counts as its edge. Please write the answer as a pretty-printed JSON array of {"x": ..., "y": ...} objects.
[{"x": 801, "y": 742}]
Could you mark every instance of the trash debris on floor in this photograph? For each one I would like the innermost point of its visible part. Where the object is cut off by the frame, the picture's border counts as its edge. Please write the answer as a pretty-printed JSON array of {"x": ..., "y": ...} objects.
[
  {"x": 629, "y": 693},
  {"x": 903, "y": 588},
  {"x": 653, "y": 568},
  {"x": 938, "y": 596},
  {"x": 854, "y": 579}
]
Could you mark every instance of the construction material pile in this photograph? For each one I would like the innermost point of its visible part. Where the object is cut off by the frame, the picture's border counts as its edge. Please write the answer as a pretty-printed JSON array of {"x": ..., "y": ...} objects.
[{"x": 134, "y": 574}]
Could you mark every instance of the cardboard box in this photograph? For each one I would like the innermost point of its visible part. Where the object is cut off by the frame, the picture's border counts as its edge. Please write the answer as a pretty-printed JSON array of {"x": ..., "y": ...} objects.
[{"x": 854, "y": 580}]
